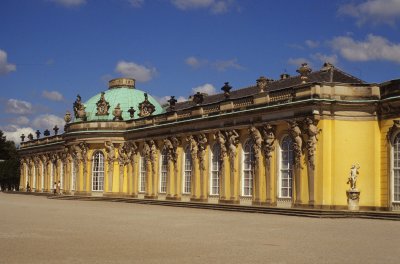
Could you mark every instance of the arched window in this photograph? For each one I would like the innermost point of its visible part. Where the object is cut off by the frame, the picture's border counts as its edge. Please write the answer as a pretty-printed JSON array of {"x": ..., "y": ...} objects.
[
  {"x": 285, "y": 179},
  {"x": 163, "y": 171},
  {"x": 187, "y": 177},
  {"x": 98, "y": 171},
  {"x": 215, "y": 166},
  {"x": 248, "y": 168},
  {"x": 396, "y": 169},
  {"x": 142, "y": 175}
]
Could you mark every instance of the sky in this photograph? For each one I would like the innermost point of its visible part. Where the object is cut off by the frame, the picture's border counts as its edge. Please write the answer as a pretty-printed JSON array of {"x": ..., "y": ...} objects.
[{"x": 52, "y": 50}]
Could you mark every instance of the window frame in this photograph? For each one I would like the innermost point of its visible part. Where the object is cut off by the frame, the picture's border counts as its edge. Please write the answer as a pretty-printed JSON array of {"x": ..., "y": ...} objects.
[
  {"x": 98, "y": 176},
  {"x": 290, "y": 171},
  {"x": 215, "y": 170},
  {"x": 250, "y": 143},
  {"x": 187, "y": 189}
]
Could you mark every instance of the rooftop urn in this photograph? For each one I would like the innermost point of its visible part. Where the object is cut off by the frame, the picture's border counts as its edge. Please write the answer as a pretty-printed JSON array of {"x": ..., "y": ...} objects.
[
  {"x": 131, "y": 112},
  {"x": 198, "y": 98},
  {"x": 22, "y": 138},
  {"x": 304, "y": 71},
  {"x": 262, "y": 83},
  {"x": 172, "y": 101},
  {"x": 46, "y": 133},
  {"x": 38, "y": 134},
  {"x": 67, "y": 117},
  {"x": 55, "y": 128},
  {"x": 117, "y": 113},
  {"x": 30, "y": 136},
  {"x": 226, "y": 88}
]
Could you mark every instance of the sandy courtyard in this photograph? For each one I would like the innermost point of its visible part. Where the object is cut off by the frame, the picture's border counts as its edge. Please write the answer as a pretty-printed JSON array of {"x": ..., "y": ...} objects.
[{"x": 39, "y": 230}]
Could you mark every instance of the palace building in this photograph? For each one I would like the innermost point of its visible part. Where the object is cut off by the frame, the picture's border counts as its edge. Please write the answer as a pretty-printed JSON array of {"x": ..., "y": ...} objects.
[{"x": 320, "y": 139}]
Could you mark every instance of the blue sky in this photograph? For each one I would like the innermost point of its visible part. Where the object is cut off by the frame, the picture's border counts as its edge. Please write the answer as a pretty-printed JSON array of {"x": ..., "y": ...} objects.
[{"x": 52, "y": 50}]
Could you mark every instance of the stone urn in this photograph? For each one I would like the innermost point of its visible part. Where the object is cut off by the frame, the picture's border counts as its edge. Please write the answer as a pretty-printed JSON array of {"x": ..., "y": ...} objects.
[{"x": 117, "y": 113}]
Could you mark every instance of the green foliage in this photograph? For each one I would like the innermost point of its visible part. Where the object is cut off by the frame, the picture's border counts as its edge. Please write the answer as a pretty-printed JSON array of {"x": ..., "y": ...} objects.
[{"x": 9, "y": 164}]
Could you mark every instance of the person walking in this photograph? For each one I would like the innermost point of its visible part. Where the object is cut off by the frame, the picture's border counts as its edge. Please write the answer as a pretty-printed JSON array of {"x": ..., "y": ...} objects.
[{"x": 55, "y": 188}]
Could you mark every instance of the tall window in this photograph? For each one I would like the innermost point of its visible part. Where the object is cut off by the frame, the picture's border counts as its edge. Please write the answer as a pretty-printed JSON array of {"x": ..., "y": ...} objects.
[
  {"x": 248, "y": 168},
  {"x": 396, "y": 169},
  {"x": 73, "y": 178},
  {"x": 163, "y": 171},
  {"x": 215, "y": 164},
  {"x": 142, "y": 175},
  {"x": 187, "y": 177},
  {"x": 98, "y": 172},
  {"x": 285, "y": 171}
]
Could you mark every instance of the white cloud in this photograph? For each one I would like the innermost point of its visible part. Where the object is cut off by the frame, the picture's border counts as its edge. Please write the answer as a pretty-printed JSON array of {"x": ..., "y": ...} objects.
[
  {"x": 206, "y": 88},
  {"x": 14, "y": 133},
  {"x": 164, "y": 100},
  {"x": 375, "y": 11},
  {"x": 47, "y": 121},
  {"x": 215, "y": 6},
  {"x": 312, "y": 44},
  {"x": 195, "y": 62},
  {"x": 373, "y": 48},
  {"x": 69, "y": 3},
  {"x": 53, "y": 95},
  {"x": 299, "y": 61},
  {"x": 5, "y": 67},
  {"x": 333, "y": 59},
  {"x": 136, "y": 3},
  {"x": 136, "y": 71},
  {"x": 21, "y": 120},
  {"x": 15, "y": 106},
  {"x": 222, "y": 65}
]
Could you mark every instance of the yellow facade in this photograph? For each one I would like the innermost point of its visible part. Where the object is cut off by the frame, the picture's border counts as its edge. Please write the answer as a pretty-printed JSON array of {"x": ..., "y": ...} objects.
[{"x": 327, "y": 129}]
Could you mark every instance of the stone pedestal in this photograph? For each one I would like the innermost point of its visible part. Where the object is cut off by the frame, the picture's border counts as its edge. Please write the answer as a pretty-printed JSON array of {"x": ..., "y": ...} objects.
[{"x": 353, "y": 198}]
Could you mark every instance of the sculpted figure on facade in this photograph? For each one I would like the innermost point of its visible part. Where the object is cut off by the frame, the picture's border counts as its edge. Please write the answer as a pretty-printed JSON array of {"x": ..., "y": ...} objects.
[
  {"x": 312, "y": 131},
  {"x": 79, "y": 108},
  {"x": 123, "y": 158},
  {"x": 295, "y": 133},
  {"x": 202, "y": 144},
  {"x": 192, "y": 146},
  {"x": 146, "y": 152},
  {"x": 109, "y": 146},
  {"x": 233, "y": 141},
  {"x": 153, "y": 154},
  {"x": 257, "y": 138},
  {"x": 268, "y": 132},
  {"x": 352, "y": 180},
  {"x": 131, "y": 149},
  {"x": 171, "y": 144},
  {"x": 220, "y": 139}
]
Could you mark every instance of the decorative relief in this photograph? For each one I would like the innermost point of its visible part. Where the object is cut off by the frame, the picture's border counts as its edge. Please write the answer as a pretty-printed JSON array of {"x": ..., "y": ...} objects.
[
  {"x": 192, "y": 146},
  {"x": 233, "y": 142},
  {"x": 268, "y": 133},
  {"x": 153, "y": 155},
  {"x": 312, "y": 131},
  {"x": 393, "y": 130},
  {"x": 295, "y": 133},
  {"x": 220, "y": 138},
  {"x": 109, "y": 146},
  {"x": 79, "y": 108},
  {"x": 146, "y": 108},
  {"x": 202, "y": 144},
  {"x": 257, "y": 139},
  {"x": 123, "y": 158},
  {"x": 131, "y": 150},
  {"x": 171, "y": 144},
  {"x": 102, "y": 105}
]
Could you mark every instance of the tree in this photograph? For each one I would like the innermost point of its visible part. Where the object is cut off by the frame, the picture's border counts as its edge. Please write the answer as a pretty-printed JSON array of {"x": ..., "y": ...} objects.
[{"x": 9, "y": 164}]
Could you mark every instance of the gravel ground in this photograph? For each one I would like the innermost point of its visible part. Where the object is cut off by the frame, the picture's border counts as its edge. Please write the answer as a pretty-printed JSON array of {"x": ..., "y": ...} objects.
[{"x": 39, "y": 230}]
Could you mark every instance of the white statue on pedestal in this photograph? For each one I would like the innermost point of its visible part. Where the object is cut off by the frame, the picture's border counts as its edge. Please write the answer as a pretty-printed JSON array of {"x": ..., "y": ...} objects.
[{"x": 353, "y": 176}]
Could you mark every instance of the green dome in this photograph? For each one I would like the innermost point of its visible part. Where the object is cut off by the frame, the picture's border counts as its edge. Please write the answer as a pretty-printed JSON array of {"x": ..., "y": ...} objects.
[{"x": 126, "y": 97}]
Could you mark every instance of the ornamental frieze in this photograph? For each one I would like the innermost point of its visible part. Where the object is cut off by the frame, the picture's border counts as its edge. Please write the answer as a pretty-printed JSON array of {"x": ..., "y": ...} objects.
[
  {"x": 146, "y": 108},
  {"x": 102, "y": 106}
]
